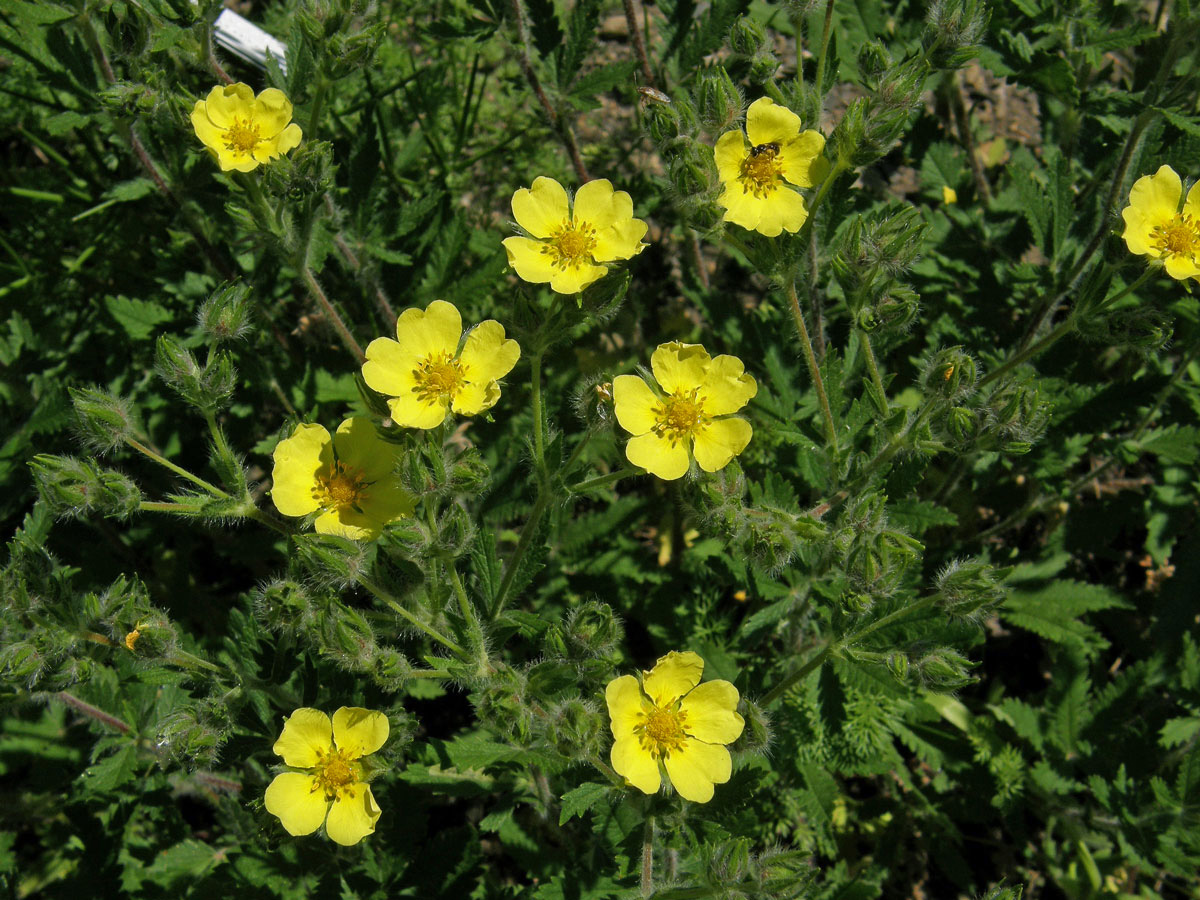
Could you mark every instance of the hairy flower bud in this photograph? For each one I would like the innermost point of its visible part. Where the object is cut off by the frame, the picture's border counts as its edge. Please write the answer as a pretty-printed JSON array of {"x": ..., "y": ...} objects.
[
  {"x": 577, "y": 729},
  {"x": 756, "y": 736},
  {"x": 944, "y": 670},
  {"x": 747, "y": 37},
  {"x": 954, "y": 29},
  {"x": 592, "y": 629},
  {"x": 105, "y": 421},
  {"x": 719, "y": 100},
  {"x": 225, "y": 315},
  {"x": 951, "y": 373},
  {"x": 284, "y": 606},
  {"x": 74, "y": 488},
  {"x": 206, "y": 388},
  {"x": 969, "y": 588},
  {"x": 873, "y": 61},
  {"x": 963, "y": 424}
]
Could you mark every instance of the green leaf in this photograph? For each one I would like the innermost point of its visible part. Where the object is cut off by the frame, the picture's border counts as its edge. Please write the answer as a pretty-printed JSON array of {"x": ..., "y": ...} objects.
[
  {"x": 189, "y": 859},
  {"x": 918, "y": 516},
  {"x": 139, "y": 318},
  {"x": 1178, "y": 731},
  {"x": 578, "y": 801},
  {"x": 1176, "y": 443},
  {"x": 112, "y": 771}
]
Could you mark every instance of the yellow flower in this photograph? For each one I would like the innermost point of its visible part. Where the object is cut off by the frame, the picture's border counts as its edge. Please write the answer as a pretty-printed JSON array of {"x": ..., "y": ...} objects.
[
  {"x": 331, "y": 783},
  {"x": 348, "y": 478},
  {"x": 566, "y": 246},
  {"x": 426, "y": 375},
  {"x": 699, "y": 395},
  {"x": 242, "y": 130},
  {"x": 669, "y": 719},
  {"x": 1155, "y": 227},
  {"x": 949, "y": 195},
  {"x": 755, "y": 195}
]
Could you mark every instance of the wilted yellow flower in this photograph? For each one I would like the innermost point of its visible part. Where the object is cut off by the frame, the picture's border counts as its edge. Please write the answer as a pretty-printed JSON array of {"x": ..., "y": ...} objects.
[
  {"x": 693, "y": 412},
  {"x": 241, "y": 130},
  {"x": 674, "y": 720},
  {"x": 426, "y": 375},
  {"x": 347, "y": 477},
  {"x": 330, "y": 788},
  {"x": 1155, "y": 226},
  {"x": 756, "y": 176},
  {"x": 566, "y": 247}
]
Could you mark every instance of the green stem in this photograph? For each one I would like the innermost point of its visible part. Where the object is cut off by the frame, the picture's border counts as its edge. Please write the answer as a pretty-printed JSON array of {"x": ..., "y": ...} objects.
[
  {"x": 826, "y": 33},
  {"x": 263, "y": 518},
  {"x": 1053, "y": 337},
  {"x": 186, "y": 660},
  {"x": 314, "y": 118},
  {"x": 648, "y": 857},
  {"x": 523, "y": 542},
  {"x": 786, "y": 684},
  {"x": 838, "y": 168},
  {"x": 539, "y": 440},
  {"x": 391, "y": 601},
  {"x": 183, "y": 473},
  {"x": 873, "y": 369},
  {"x": 468, "y": 613},
  {"x": 601, "y": 480},
  {"x": 182, "y": 509},
  {"x": 814, "y": 370},
  {"x": 339, "y": 324}
]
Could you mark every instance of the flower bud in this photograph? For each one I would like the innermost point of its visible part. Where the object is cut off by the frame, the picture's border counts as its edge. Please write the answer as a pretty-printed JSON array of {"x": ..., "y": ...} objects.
[
  {"x": 951, "y": 373},
  {"x": 719, "y": 100},
  {"x": 283, "y": 606},
  {"x": 953, "y": 31},
  {"x": 576, "y": 729},
  {"x": 747, "y": 37},
  {"x": 592, "y": 629},
  {"x": 74, "y": 488},
  {"x": 873, "y": 61},
  {"x": 897, "y": 664},
  {"x": 225, "y": 315},
  {"x": 206, "y": 388},
  {"x": 963, "y": 424},
  {"x": 335, "y": 561},
  {"x": 756, "y": 736},
  {"x": 693, "y": 171},
  {"x": 152, "y": 637},
  {"x": 969, "y": 588},
  {"x": 105, "y": 421},
  {"x": 944, "y": 670}
]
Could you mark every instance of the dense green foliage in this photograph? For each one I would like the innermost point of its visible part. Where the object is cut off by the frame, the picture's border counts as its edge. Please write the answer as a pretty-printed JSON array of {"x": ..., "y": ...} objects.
[{"x": 949, "y": 575}]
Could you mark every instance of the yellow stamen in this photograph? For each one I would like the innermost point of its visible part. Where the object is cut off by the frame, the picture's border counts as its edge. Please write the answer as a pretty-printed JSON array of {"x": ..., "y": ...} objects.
[
  {"x": 679, "y": 415},
  {"x": 342, "y": 487},
  {"x": 663, "y": 732},
  {"x": 438, "y": 375},
  {"x": 1179, "y": 237},
  {"x": 761, "y": 170},
  {"x": 571, "y": 245},
  {"x": 335, "y": 774},
  {"x": 241, "y": 136}
]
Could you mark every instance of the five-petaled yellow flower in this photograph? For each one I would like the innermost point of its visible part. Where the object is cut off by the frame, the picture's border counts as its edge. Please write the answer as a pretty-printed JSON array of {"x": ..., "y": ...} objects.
[
  {"x": 699, "y": 394},
  {"x": 347, "y": 478},
  {"x": 242, "y": 130},
  {"x": 674, "y": 720},
  {"x": 1155, "y": 226},
  {"x": 331, "y": 788},
  {"x": 567, "y": 247},
  {"x": 426, "y": 375},
  {"x": 756, "y": 176}
]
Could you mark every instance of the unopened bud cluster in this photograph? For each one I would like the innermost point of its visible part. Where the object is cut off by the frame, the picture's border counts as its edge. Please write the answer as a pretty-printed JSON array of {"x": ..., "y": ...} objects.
[
  {"x": 75, "y": 488},
  {"x": 206, "y": 387},
  {"x": 954, "y": 31}
]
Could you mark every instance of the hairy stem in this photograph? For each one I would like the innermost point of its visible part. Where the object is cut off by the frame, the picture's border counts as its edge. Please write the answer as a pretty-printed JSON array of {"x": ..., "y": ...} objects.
[
  {"x": 648, "y": 857},
  {"x": 523, "y": 543},
  {"x": 339, "y": 324},
  {"x": 183, "y": 473},
  {"x": 639, "y": 46},
  {"x": 391, "y": 601},
  {"x": 814, "y": 370}
]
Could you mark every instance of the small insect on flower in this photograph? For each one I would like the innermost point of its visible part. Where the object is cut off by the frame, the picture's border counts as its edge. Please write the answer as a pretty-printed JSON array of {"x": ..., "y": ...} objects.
[
  {"x": 241, "y": 130},
  {"x": 348, "y": 478},
  {"x": 756, "y": 175},
  {"x": 426, "y": 374},
  {"x": 671, "y": 721},
  {"x": 569, "y": 246},
  {"x": 692, "y": 415},
  {"x": 1156, "y": 227},
  {"x": 326, "y": 782}
]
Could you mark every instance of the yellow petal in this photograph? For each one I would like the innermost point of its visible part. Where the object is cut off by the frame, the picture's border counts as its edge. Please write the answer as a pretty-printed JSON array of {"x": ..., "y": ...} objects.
[
  {"x": 598, "y": 205},
  {"x": 298, "y": 802},
  {"x": 298, "y": 461},
  {"x": 487, "y": 356},
  {"x": 716, "y": 443},
  {"x": 352, "y": 815},
  {"x": 658, "y": 456},
  {"x": 358, "y": 444},
  {"x": 622, "y": 241},
  {"x": 526, "y": 257},
  {"x": 349, "y": 523},
  {"x": 389, "y": 368},
  {"x": 1191, "y": 206},
  {"x": 781, "y": 210},
  {"x": 272, "y": 147},
  {"x": 802, "y": 161},
  {"x": 236, "y": 161},
  {"x": 711, "y": 713},
  {"x": 209, "y": 133},
  {"x": 741, "y": 206},
  {"x": 1181, "y": 267},
  {"x": 272, "y": 112},
  {"x": 679, "y": 367},
  {"x": 695, "y": 767},
  {"x": 574, "y": 279},
  {"x": 359, "y": 732},
  {"x": 634, "y": 404},
  {"x": 1157, "y": 196},
  {"x": 729, "y": 154},
  {"x": 224, "y": 103},
  {"x": 473, "y": 399},
  {"x": 542, "y": 208},
  {"x": 434, "y": 330},
  {"x": 625, "y": 706},
  {"x": 289, "y": 138},
  {"x": 1139, "y": 231},
  {"x": 386, "y": 501},
  {"x": 768, "y": 123},
  {"x": 672, "y": 676},
  {"x": 410, "y": 411},
  {"x": 305, "y": 732},
  {"x": 726, "y": 387},
  {"x": 635, "y": 764}
]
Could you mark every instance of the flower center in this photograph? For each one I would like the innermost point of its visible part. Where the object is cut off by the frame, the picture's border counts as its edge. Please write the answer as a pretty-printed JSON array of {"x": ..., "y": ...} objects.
[
  {"x": 571, "y": 245},
  {"x": 335, "y": 773},
  {"x": 1180, "y": 236},
  {"x": 342, "y": 487},
  {"x": 241, "y": 136},
  {"x": 679, "y": 415},
  {"x": 438, "y": 375},
  {"x": 663, "y": 731},
  {"x": 761, "y": 169}
]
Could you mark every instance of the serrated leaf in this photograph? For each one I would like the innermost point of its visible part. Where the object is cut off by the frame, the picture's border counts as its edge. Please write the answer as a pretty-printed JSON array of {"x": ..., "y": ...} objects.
[
  {"x": 139, "y": 318},
  {"x": 578, "y": 801},
  {"x": 1178, "y": 731},
  {"x": 112, "y": 771},
  {"x": 918, "y": 516},
  {"x": 1176, "y": 443},
  {"x": 188, "y": 859}
]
